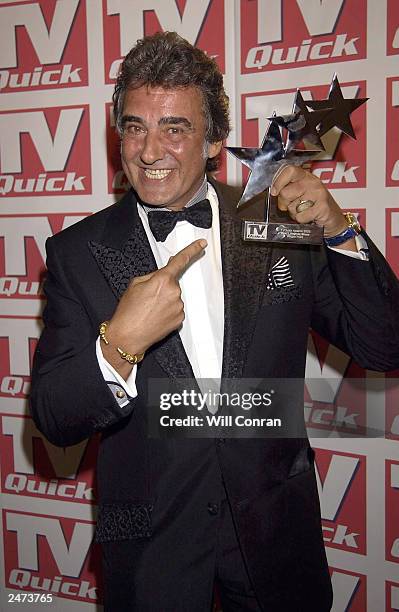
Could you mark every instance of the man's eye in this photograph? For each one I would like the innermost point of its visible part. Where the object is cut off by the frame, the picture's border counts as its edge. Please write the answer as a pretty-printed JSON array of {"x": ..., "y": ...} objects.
[
  {"x": 133, "y": 130},
  {"x": 175, "y": 131}
]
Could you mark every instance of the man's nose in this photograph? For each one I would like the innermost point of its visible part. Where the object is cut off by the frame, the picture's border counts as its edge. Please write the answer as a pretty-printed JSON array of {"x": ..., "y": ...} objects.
[{"x": 152, "y": 150}]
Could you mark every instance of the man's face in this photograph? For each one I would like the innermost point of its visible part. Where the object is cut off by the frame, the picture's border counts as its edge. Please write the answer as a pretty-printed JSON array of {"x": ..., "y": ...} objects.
[{"x": 163, "y": 144}]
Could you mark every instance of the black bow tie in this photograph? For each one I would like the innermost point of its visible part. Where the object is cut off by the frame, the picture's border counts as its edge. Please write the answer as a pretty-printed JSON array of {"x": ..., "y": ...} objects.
[{"x": 162, "y": 222}]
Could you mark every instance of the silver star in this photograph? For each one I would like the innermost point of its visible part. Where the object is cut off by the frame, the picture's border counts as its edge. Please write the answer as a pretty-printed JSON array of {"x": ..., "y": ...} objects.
[
  {"x": 302, "y": 124},
  {"x": 342, "y": 108},
  {"x": 265, "y": 162}
]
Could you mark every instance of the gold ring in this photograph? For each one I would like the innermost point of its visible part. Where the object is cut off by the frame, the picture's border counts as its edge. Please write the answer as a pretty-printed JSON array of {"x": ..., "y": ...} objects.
[{"x": 304, "y": 205}]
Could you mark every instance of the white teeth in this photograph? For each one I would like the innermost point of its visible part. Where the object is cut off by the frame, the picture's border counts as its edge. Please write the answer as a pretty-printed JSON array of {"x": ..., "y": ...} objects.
[{"x": 157, "y": 174}]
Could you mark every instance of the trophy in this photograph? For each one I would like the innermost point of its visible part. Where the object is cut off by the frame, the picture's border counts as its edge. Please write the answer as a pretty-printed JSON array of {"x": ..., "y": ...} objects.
[{"x": 302, "y": 129}]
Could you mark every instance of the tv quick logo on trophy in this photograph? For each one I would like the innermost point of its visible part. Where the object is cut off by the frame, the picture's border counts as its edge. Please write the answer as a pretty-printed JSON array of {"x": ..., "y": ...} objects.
[
  {"x": 350, "y": 590},
  {"x": 341, "y": 479},
  {"x": 46, "y": 152},
  {"x": 50, "y": 554},
  {"x": 392, "y": 127},
  {"x": 392, "y": 506},
  {"x": 280, "y": 35},
  {"x": 31, "y": 466},
  {"x": 43, "y": 45},
  {"x": 292, "y": 139},
  {"x": 201, "y": 22}
]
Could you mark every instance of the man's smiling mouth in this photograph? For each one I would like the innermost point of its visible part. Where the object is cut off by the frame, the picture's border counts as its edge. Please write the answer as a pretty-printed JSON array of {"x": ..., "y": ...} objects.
[{"x": 156, "y": 175}]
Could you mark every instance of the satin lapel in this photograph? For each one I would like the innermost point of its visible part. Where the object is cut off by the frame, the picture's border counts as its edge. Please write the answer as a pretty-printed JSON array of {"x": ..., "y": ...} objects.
[
  {"x": 124, "y": 253},
  {"x": 245, "y": 269}
]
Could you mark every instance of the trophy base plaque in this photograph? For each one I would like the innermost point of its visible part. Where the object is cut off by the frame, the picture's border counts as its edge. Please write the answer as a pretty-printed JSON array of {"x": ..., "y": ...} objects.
[
  {"x": 263, "y": 231},
  {"x": 278, "y": 226}
]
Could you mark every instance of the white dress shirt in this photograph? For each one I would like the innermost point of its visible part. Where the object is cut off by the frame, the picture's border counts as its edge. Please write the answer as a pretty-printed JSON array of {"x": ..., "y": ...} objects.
[{"x": 202, "y": 293}]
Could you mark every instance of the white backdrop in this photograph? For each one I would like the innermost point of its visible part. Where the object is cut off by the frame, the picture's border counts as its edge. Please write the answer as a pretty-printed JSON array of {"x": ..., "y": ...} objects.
[{"x": 59, "y": 163}]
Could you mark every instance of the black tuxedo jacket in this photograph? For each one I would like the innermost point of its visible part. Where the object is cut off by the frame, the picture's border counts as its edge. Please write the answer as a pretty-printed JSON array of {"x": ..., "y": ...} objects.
[{"x": 152, "y": 492}]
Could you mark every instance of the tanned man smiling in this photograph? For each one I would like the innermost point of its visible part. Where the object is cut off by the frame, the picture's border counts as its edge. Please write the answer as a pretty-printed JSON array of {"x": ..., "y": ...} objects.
[{"x": 161, "y": 286}]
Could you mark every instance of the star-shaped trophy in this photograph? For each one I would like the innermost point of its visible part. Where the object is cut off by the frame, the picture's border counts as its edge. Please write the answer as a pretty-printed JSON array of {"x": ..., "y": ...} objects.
[
  {"x": 264, "y": 163},
  {"x": 304, "y": 128}
]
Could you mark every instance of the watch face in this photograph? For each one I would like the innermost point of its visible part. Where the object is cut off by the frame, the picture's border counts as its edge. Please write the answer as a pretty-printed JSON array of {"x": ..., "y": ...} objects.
[{"x": 353, "y": 222}]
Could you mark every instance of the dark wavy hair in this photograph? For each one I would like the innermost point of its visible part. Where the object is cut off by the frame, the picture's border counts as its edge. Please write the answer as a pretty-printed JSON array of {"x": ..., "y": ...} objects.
[{"x": 167, "y": 60}]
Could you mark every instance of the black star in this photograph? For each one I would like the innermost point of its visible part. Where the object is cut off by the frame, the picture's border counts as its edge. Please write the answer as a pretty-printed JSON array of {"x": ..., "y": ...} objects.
[
  {"x": 265, "y": 162},
  {"x": 342, "y": 109},
  {"x": 302, "y": 124}
]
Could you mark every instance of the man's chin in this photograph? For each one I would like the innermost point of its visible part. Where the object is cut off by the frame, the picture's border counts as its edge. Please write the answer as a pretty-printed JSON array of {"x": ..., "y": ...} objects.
[
  {"x": 153, "y": 197},
  {"x": 151, "y": 201}
]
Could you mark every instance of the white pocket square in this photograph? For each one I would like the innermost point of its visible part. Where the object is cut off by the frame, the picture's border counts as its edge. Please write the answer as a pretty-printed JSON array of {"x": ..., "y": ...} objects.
[{"x": 280, "y": 275}]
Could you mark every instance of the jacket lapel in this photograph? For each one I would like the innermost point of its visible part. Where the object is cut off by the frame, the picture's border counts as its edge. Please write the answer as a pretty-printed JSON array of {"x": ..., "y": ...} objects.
[
  {"x": 245, "y": 269},
  {"x": 124, "y": 253}
]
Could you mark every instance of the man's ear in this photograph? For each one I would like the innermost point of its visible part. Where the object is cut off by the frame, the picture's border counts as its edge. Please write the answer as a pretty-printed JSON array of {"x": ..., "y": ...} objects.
[{"x": 214, "y": 148}]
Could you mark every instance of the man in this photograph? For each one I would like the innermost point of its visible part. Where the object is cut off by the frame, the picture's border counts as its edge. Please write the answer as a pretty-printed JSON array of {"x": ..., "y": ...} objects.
[{"x": 179, "y": 294}]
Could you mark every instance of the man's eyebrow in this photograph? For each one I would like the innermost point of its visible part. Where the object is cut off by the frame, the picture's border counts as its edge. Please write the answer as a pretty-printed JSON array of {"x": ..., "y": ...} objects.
[
  {"x": 131, "y": 118},
  {"x": 171, "y": 120},
  {"x": 175, "y": 121}
]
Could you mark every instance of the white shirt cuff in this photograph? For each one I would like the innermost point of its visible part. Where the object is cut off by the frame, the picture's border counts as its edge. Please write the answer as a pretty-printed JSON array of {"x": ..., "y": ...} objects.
[
  {"x": 362, "y": 249},
  {"x": 115, "y": 380}
]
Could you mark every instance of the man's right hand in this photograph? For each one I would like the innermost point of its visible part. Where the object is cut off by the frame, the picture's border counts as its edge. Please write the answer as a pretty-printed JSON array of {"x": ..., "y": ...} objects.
[{"x": 150, "y": 309}]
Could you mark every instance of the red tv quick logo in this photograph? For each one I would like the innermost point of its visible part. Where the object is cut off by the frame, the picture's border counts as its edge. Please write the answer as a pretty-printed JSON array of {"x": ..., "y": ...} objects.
[
  {"x": 350, "y": 590},
  {"x": 277, "y": 34},
  {"x": 201, "y": 22},
  {"x": 392, "y": 510},
  {"x": 23, "y": 253},
  {"x": 392, "y": 596},
  {"x": 31, "y": 466},
  {"x": 392, "y": 238},
  {"x": 392, "y": 128},
  {"x": 338, "y": 396},
  {"x": 51, "y": 554},
  {"x": 117, "y": 181},
  {"x": 43, "y": 45},
  {"x": 18, "y": 337},
  {"x": 392, "y": 29},
  {"x": 342, "y": 489},
  {"x": 332, "y": 401},
  {"x": 46, "y": 152},
  {"x": 22, "y": 269},
  {"x": 343, "y": 164}
]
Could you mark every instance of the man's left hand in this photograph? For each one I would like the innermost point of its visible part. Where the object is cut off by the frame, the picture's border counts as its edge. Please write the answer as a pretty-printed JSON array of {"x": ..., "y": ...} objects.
[{"x": 293, "y": 184}]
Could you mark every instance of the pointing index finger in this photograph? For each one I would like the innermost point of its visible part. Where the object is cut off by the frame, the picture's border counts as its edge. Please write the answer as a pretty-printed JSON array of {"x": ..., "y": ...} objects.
[{"x": 180, "y": 262}]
